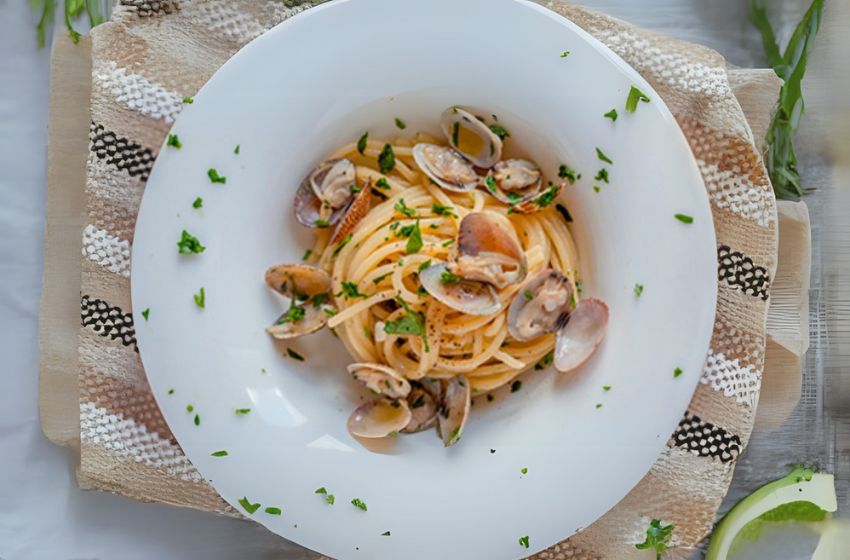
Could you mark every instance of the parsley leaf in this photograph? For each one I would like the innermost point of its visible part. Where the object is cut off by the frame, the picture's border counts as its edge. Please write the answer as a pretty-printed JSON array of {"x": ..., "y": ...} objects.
[
  {"x": 547, "y": 197},
  {"x": 292, "y": 315},
  {"x": 215, "y": 177},
  {"x": 173, "y": 141},
  {"x": 361, "y": 144},
  {"x": 524, "y": 470},
  {"x": 400, "y": 123},
  {"x": 349, "y": 290},
  {"x": 565, "y": 54},
  {"x": 242, "y": 411},
  {"x": 601, "y": 175},
  {"x": 424, "y": 265},
  {"x": 491, "y": 183},
  {"x": 321, "y": 490},
  {"x": 449, "y": 278},
  {"x": 684, "y": 218},
  {"x": 677, "y": 372},
  {"x": 222, "y": 453},
  {"x": 612, "y": 114},
  {"x": 321, "y": 223},
  {"x": 189, "y": 244},
  {"x": 382, "y": 184},
  {"x": 441, "y": 210},
  {"x": 358, "y": 503},
  {"x": 386, "y": 159},
  {"x": 249, "y": 507},
  {"x": 146, "y": 313},
  {"x": 545, "y": 361},
  {"x": 635, "y": 95},
  {"x": 528, "y": 295},
  {"x": 273, "y": 510},
  {"x": 188, "y": 100},
  {"x": 638, "y": 289},
  {"x": 342, "y": 244},
  {"x": 499, "y": 131},
  {"x": 200, "y": 299},
  {"x": 602, "y": 156},
  {"x": 657, "y": 538},
  {"x": 402, "y": 208},
  {"x": 568, "y": 173},
  {"x": 523, "y": 541},
  {"x": 413, "y": 324},
  {"x": 197, "y": 420},
  {"x": 237, "y": 149},
  {"x": 385, "y": 534},
  {"x": 198, "y": 203},
  {"x": 307, "y": 254},
  {"x": 414, "y": 242}
]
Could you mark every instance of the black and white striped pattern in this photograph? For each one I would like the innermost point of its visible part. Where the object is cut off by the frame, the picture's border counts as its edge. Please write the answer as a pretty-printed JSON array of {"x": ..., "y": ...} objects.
[
  {"x": 108, "y": 321},
  {"x": 121, "y": 152},
  {"x": 706, "y": 440},
  {"x": 741, "y": 273}
]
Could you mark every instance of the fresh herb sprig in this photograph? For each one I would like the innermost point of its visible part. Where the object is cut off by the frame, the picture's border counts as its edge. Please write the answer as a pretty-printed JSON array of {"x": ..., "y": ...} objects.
[
  {"x": 790, "y": 66},
  {"x": 657, "y": 538}
]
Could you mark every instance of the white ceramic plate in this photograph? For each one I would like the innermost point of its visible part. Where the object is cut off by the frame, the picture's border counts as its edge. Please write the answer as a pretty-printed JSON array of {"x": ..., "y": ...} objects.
[{"x": 320, "y": 80}]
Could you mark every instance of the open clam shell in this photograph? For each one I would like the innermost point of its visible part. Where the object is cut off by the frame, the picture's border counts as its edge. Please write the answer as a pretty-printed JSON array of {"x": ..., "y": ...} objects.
[
  {"x": 542, "y": 306},
  {"x": 324, "y": 195},
  {"x": 468, "y": 296},
  {"x": 379, "y": 418},
  {"x": 446, "y": 167},
  {"x": 471, "y": 137},
  {"x": 298, "y": 281},
  {"x": 307, "y": 289},
  {"x": 423, "y": 409},
  {"x": 489, "y": 250},
  {"x": 514, "y": 181},
  {"x": 454, "y": 410},
  {"x": 580, "y": 337},
  {"x": 380, "y": 379}
]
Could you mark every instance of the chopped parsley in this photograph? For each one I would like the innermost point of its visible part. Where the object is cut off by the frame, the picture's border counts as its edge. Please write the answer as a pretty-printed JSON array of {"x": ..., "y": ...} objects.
[
  {"x": 456, "y": 133},
  {"x": 635, "y": 95},
  {"x": 402, "y": 208},
  {"x": 342, "y": 244},
  {"x": 321, "y": 223},
  {"x": 273, "y": 510},
  {"x": 358, "y": 503},
  {"x": 400, "y": 124},
  {"x": 677, "y": 372},
  {"x": 597, "y": 188},
  {"x": 424, "y": 265},
  {"x": 638, "y": 289},
  {"x": 190, "y": 408},
  {"x": 215, "y": 177},
  {"x": 602, "y": 175},
  {"x": 385, "y": 534},
  {"x": 197, "y": 420},
  {"x": 523, "y": 541},
  {"x": 606, "y": 388},
  {"x": 491, "y": 183},
  {"x": 568, "y": 173},
  {"x": 294, "y": 355},
  {"x": 499, "y": 131},
  {"x": 528, "y": 295},
  {"x": 601, "y": 155},
  {"x": 249, "y": 507},
  {"x": 516, "y": 386},
  {"x": 684, "y": 218},
  {"x": 319, "y": 299},
  {"x": 599, "y": 405},
  {"x": 382, "y": 184},
  {"x": 171, "y": 391},
  {"x": 492, "y": 451},
  {"x": 447, "y": 277},
  {"x": 547, "y": 197},
  {"x": 307, "y": 254},
  {"x": 242, "y": 411},
  {"x": 173, "y": 141},
  {"x": 292, "y": 315},
  {"x": 545, "y": 361},
  {"x": 237, "y": 149},
  {"x": 361, "y": 144},
  {"x": 349, "y": 290},
  {"x": 412, "y": 324},
  {"x": 565, "y": 54},
  {"x": 386, "y": 159},
  {"x": 198, "y": 203},
  {"x": 441, "y": 210},
  {"x": 377, "y": 279},
  {"x": 146, "y": 313},
  {"x": 189, "y": 244},
  {"x": 222, "y": 453},
  {"x": 320, "y": 490},
  {"x": 200, "y": 299},
  {"x": 524, "y": 470},
  {"x": 657, "y": 538},
  {"x": 612, "y": 114},
  {"x": 414, "y": 242},
  {"x": 354, "y": 188},
  {"x": 562, "y": 210},
  {"x": 188, "y": 100}
]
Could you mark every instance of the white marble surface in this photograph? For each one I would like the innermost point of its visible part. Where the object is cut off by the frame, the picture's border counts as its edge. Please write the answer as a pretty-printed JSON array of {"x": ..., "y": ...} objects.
[{"x": 44, "y": 516}]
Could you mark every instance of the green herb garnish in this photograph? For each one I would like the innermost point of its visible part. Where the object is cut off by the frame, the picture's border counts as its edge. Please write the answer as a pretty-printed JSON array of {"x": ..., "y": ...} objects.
[
  {"x": 377, "y": 279},
  {"x": 385, "y": 534},
  {"x": 447, "y": 277},
  {"x": 684, "y": 218},
  {"x": 596, "y": 188},
  {"x": 524, "y": 470},
  {"x": 342, "y": 244},
  {"x": 606, "y": 388},
  {"x": 307, "y": 254},
  {"x": 402, "y": 208},
  {"x": 382, "y": 184},
  {"x": 499, "y": 131},
  {"x": 568, "y": 173},
  {"x": 273, "y": 510},
  {"x": 441, "y": 210},
  {"x": 198, "y": 203},
  {"x": 319, "y": 299},
  {"x": 562, "y": 210},
  {"x": 411, "y": 324},
  {"x": 491, "y": 183},
  {"x": 523, "y": 541},
  {"x": 545, "y": 361},
  {"x": 215, "y": 177},
  {"x": 321, "y": 223},
  {"x": 601, "y": 155},
  {"x": 612, "y": 114},
  {"x": 516, "y": 386},
  {"x": 190, "y": 408},
  {"x": 599, "y": 405},
  {"x": 386, "y": 159},
  {"x": 424, "y": 265},
  {"x": 601, "y": 175},
  {"x": 358, "y": 503},
  {"x": 565, "y": 54},
  {"x": 188, "y": 100},
  {"x": 349, "y": 290},
  {"x": 456, "y": 134},
  {"x": 249, "y": 507},
  {"x": 528, "y": 295},
  {"x": 171, "y": 391},
  {"x": 547, "y": 197},
  {"x": 361, "y": 144},
  {"x": 242, "y": 411},
  {"x": 222, "y": 453},
  {"x": 292, "y": 315},
  {"x": 657, "y": 538},
  {"x": 146, "y": 313},
  {"x": 197, "y": 420},
  {"x": 635, "y": 95},
  {"x": 638, "y": 289},
  {"x": 677, "y": 372},
  {"x": 294, "y": 355},
  {"x": 173, "y": 141},
  {"x": 400, "y": 124},
  {"x": 414, "y": 242},
  {"x": 189, "y": 244},
  {"x": 237, "y": 149},
  {"x": 200, "y": 299}
]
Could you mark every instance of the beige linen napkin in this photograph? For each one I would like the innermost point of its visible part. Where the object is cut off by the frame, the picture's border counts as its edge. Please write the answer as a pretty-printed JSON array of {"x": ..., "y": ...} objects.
[{"x": 153, "y": 53}]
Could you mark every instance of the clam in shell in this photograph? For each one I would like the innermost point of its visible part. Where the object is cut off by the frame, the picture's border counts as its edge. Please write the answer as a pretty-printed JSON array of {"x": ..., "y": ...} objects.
[
  {"x": 579, "y": 338},
  {"x": 423, "y": 408},
  {"x": 381, "y": 379},
  {"x": 454, "y": 410},
  {"x": 446, "y": 167},
  {"x": 542, "y": 306},
  {"x": 326, "y": 193},
  {"x": 471, "y": 137},
  {"x": 514, "y": 181},
  {"x": 489, "y": 251},
  {"x": 379, "y": 418},
  {"x": 307, "y": 288},
  {"x": 468, "y": 296}
]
